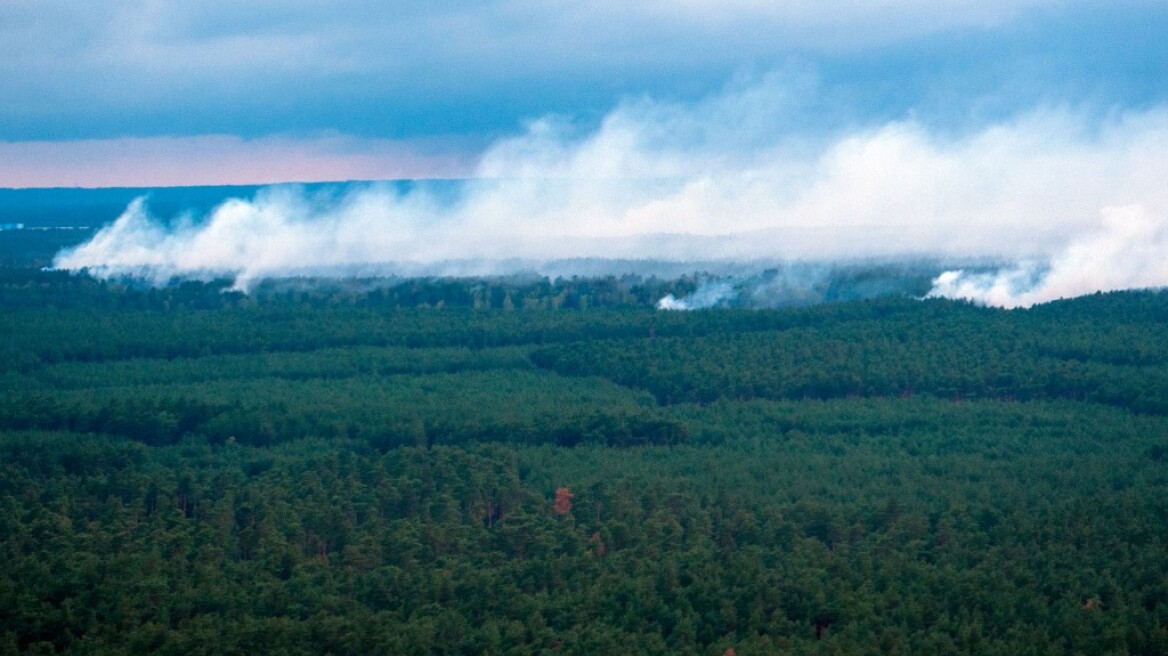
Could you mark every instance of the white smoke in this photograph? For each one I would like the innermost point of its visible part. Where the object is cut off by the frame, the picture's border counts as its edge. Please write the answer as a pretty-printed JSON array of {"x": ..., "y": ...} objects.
[
  {"x": 1128, "y": 251},
  {"x": 721, "y": 179},
  {"x": 709, "y": 294}
]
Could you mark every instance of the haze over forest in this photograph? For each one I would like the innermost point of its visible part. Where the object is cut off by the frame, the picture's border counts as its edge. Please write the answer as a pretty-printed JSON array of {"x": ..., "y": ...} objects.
[{"x": 1018, "y": 145}]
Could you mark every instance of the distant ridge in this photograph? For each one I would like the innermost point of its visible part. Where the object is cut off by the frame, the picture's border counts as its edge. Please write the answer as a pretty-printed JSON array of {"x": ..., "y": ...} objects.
[{"x": 51, "y": 207}]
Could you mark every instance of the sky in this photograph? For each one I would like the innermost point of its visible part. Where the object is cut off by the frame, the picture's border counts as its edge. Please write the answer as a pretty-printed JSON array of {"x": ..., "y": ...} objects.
[
  {"x": 165, "y": 92},
  {"x": 1027, "y": 132}
]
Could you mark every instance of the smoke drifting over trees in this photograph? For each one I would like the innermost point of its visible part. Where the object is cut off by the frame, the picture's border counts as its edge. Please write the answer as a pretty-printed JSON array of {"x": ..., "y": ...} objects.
[{"x": 1073, "y": 204}]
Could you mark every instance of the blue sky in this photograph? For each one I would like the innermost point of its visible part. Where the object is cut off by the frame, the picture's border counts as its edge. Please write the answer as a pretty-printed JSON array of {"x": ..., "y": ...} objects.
[{"x": 148, "y": 92}]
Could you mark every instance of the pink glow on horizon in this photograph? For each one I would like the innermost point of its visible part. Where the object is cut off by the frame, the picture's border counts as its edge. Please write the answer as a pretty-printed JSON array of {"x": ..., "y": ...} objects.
[{"x": 223, "y": 160}]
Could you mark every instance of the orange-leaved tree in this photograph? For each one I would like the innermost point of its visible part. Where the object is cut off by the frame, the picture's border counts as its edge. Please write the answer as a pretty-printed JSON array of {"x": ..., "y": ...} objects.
[{"x": 563, "y": 503}]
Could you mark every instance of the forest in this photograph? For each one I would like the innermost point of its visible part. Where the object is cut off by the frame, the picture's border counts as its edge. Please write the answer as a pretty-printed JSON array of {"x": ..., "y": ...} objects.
[{"x": 554, "y": 466}]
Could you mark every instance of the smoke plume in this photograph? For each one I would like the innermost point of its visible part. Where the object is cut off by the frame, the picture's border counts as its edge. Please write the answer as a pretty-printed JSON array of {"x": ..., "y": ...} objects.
[
  {"x": 1077, "y": 202},
  {"x": 1128, "y": 250}
]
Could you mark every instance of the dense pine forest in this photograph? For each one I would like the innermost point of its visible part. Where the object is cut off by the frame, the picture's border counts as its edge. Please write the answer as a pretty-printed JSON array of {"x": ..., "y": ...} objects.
[{"x": 534, "y": 466}]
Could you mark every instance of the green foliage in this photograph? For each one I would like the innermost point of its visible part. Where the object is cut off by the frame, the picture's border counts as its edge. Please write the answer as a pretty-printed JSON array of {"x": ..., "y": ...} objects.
[
  {"x": 940, "y": 348},
  {"x": 297, "y": 473}
]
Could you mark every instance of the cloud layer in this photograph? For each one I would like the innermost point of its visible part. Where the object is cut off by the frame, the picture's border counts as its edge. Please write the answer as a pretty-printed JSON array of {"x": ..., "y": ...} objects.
[
  {"x": 1079, "y": 199},
  {"x": 254, "y": 69}
]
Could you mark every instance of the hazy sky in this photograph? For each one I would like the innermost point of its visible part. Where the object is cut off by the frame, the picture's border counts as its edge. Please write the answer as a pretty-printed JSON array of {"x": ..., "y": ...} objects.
[
  {"x": 1033, "y": 133},
  {"x": 153, "y": 92}
]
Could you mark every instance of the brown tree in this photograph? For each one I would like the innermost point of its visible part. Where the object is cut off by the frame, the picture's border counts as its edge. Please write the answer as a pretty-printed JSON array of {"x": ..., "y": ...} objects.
[{"x": 563, "y": 503}]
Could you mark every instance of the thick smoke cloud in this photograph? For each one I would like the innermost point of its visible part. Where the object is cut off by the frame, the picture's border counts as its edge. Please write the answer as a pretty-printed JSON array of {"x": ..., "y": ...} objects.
[
  {"x": 1129, "y": 250},
  {"x": 1076, "y": 201}
]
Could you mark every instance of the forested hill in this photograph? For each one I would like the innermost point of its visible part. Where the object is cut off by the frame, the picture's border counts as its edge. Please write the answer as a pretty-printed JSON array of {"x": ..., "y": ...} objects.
[{"x": 527, "y": 466}]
